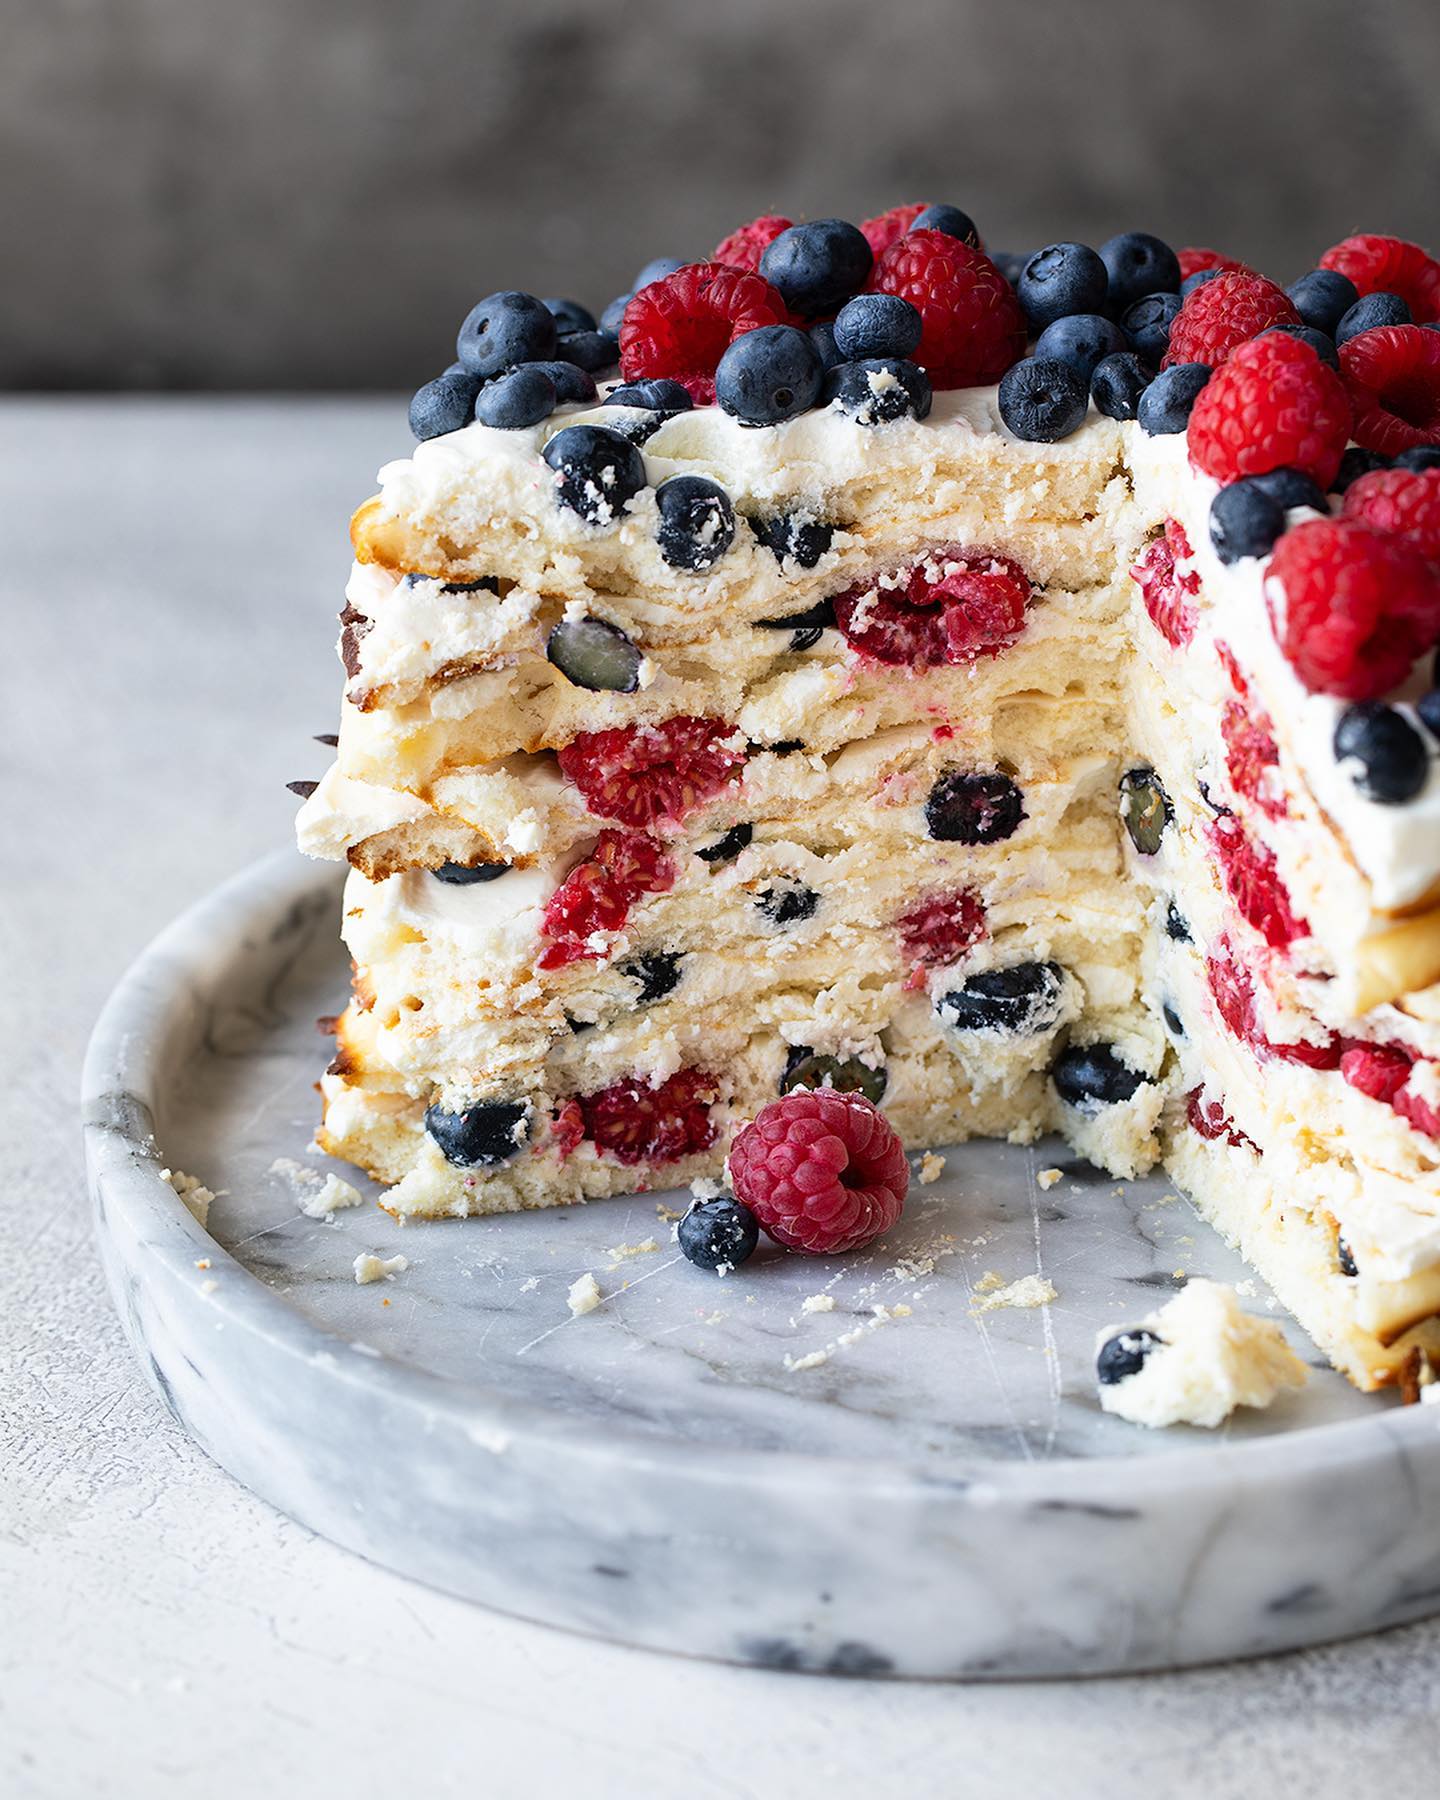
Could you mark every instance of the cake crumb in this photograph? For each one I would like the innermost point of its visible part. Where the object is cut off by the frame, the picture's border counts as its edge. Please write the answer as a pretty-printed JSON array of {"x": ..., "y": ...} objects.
[
  {"x": 209, "y": 1286},
  {"x": 318, "y": 1196},
  {"x": 1028, "y": 1291},
  {"x": 621, "y": 1251},
  {"x": 1046, "y": 1178},
  {"x": 529, "y": 1285},
  {"x": 370, "y": 1268},
  {"x": 795, "y": 1364},
  {"x": 1246, "y": 1289},
  {"x": 932, "y": 1167},
  {"x": 913, "y": 1268},
  {"x": 584, "y": 1295},
  {"x": 668, "y": 1214},
  {"x": 989, "y": 1281},
  {"x": 817, "y": 1303},
  {"x": 197, "y": 1197},
  {"x": 706, "y": 1187}
]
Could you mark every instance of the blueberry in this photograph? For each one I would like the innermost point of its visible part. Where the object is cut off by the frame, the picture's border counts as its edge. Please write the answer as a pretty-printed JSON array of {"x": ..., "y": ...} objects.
[
  {"x": 805, "y": 628},
  {"x": 523, "y": 397},
  {"x": 573, "y": 385},
  {"x": 1323, "y": 346},
  {"x": 1138, "y": 264},
  {"x": 1124, "y": 1355},
  {"x": 1166, "y": 404},
  {"x": 1011, "y": 263},
  {"x": 718, "y": 1234},
  {"x": 726, "y": 849},
  {"x": 598, "y": 472},
  {"x": 822, "y": 336},
  {"x": 1244, "y": 521},
  {"x": 504, "y": 329},
  {"x": 817, "y": 266},
  {"x": 1025, "y": 998},
  {"x": 880, "y": 389},
  {"x": 1061, "y": 279},
  {"x": 1419, "y": 457},
  {"x": 486, "y": 584},
  {"x": 1428, "y": 707},
  {"x": 1147, "y": 325},
  {"x": 1080, "y": 339},
  {"x": 1089, "y": 1076},
  {"x": 796, "y": 535},
  {"x": 951, "y": 221},
  {"x": 613, "y": 316},
  {"x": 974, "y": 808},
  {"x": 659, "y": 394},
  {"x": 697, "y": 522},
  {"x": 847, "y": 1075},
  {"x": 1290, "y": 488},
  {"x": 1370, "y": 311},
  {"x": 876, "y": 325},
  {"x": 588, "y": 350},
  {"x": 457, "y": 875},
  {"x": 657, "y": 974},
  {"x": 1042, "y": 399},
  {"x": 1322, "y": 298},
  {"x": 594, "y": 654},
  {"x": 1118, "y": 383},
  {"x": 488, "y": 1133},
  {"x": 769, "y": 375},
  {"x": 1177, "y": 926},
  {"x": 1345, "y": 1257},
  {"x": 1145, "y": 809},
  {"x": 1198, "y": 280},
  {"x": 569, "y": 315},
  {"x": 1389, "y": 754},
  {"x": 787, "y": 905},
  {"x": 444, "y": 404},
  {"x": 657, "y": 269},
  {"x": 1172, "y": 1020},
  {"x": 1355, "y": 463}
]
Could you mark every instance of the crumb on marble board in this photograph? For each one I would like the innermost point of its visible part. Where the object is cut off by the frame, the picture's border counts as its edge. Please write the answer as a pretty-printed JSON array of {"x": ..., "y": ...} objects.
[
  {"x": 818, "y": 1303},
  {"x": 197, "y": 1197},
  {"x": 932, "y": 1167},
  {"x": 370, "y": 1268},
  {"x": 1028, "y": 1291},
  {"x": 584, "y": 1295}
]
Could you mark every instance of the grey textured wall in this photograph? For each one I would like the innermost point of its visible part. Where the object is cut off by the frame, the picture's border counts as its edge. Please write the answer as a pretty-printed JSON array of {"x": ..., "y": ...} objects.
[{"x": 309, "y": 193}]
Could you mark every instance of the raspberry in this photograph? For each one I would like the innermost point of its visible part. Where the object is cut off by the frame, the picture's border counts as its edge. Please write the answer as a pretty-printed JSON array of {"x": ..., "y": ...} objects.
[
  {"x": 1253, "y": 883},
  {"x": 744, "y": 247},
  {"x": 1274, "y": 405},
  {"x": 648, "y": 774},
  {"x": 1403, "y": 502},
  {"x": 1167, "y": 592},
  {"x": 680, "y": 327},
  {"x": 883, "y": 230},
  {"x": 953, "y": 607},
  {"x": 1383, "y": 1072},
  {"x": 822, "y": 1171},
  {"x": 1232, "y": 987},
  {"x": 597, "y": 894},
  {"x": 568, "y": 1129},
  {"x": 1193, "y": 260},
  {"x": 1211, "y": 1120},
  {"x": 637, "y": 1123},
  {"x": 1393, "y": 375},
  {"x": 1250, "y": 754},
  {"x": 973, "y": 326},
  {"x": 941, "y": 929},
  {"x": 1387, "y": 265},
  {"x": 1224, "y": 314},
  {"x": 1352, "y": 608}
]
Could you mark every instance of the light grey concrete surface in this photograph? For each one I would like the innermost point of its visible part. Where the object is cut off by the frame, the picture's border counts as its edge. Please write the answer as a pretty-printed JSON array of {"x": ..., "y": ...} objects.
[
  {"x": 169, "y": 576},
  {"x": 310, "y": 193}
]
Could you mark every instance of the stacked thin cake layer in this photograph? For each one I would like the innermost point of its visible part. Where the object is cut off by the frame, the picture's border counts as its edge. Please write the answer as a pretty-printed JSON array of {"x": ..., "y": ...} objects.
[{"x": 711, "y": 760}]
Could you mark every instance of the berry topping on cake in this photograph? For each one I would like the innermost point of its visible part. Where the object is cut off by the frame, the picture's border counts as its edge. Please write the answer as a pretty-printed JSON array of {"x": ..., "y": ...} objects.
[
  {"x": 1022, "y": 1000},
  {"x": 1164, "y": 408},
  {"x": 1195, "y": 258},
  {"x": 876, "y": 325},
  {"x": 941, "y": 929},
  {"x": 1390, "y": 265},
  {"x": 1167, "y": 590},
  {"x": 1250, "y": 756},
  {"x": 634, "y": 1122},
  {"x": 1322, "y": 298},
  {"x": 769, "y": 375},
  {"x": 597, "y": 471},
  {"x": 1244, "y": 521},
  {"x": 1393, "y": 375},
  {"x": 951, "y": 606},
  {"x": 1352, "y": 608},
  {"x": 1210, "y": 1119},
  {"x": 1370, "y": 313},
  {"x": 1089, "y": 1076},
  {"x": 1273, "y": 405},
  {"x": 481, "y": 1136},
  {"x": 697, "y": 522},
  {"x": 879, "y": 389},
  {"x": 1043, "y": 400},
  {"x": 718, "y": 1234},
  {"x": 846, "y": 1075},
  {"x": 594, "y": 654},
  {"x": 1383, "y": 1072},
  {"x": 949, "y": 219},
  {"x": 1404, "y": 502},
  {"x": 522, "y": 397},
  {"x": 1060, "y": 280},
  {"x": 974, "y": 808},
  {"x": 1147, "y": 325},
  {"x": 596, "y": 896},
  {"x": 1385, "y": 754},
  {"x": 572, "y": 384},
  {"x": 1225, "y": 313},
  {"x": 973, "y": 327},
  {"x": 817, "y": 266},
  {"x": 1137, "y": 264},
  {"x": 748, "y": 243},
  {"x": 882, "y": 231},
  {"x": 505, "y": 329},
  {"x": 1232, "y": 987},
  {"x": 1083, "y": 340},
  {"x": 1253, "y": 882},
  {"x": 681, "y": 326},
  {"x": 823, "y": 1172},
  {"x": 444, "y": 405},
  {"x": 660, "y": 395},
  {"x": 645, "y": 775},
  {"x": 804, "y": 540},
  {"x": 1117, "y": 384}
]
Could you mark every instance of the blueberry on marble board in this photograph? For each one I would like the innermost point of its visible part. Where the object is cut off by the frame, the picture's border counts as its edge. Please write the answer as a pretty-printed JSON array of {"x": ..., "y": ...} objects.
[
  {"x": 1137, "y": 264},
  {"x": 725, "y": 849},
  {"x": 1354, "y": 463},
  {"x": 880, "y": 389},
  {"x": 657, "y": 974},
  {"x": 1023, "y": 999},
  {"x": 974, "y": 808},
  {"x": 1322, "y": 298},
  {"x": 787, "y": 905},
  {"x": 504, "y": 329},
  {"x": 1061, "y": 279},
  {"x": 596, "y": 655},
  {"x": 522, "y": 397},
  {"x": 482, "y": 1136},
  {"x": 876, "y": 325},
  {"x": 769, "y": 375},
  {"x": 1245, "y": 520},
  {"x": 718, "y": 1234},
  {"x": 1124, "y": 1355},
  {"x": 846, "y": 1075},
  {"x": 1082, "y": 340},
  {"x": 1387, "y": 758},
  {"x": 572, "y": 384},
  {"x": 1118, "y": 383},
  {"x": 1089, "y": 1076},
  {"x": 697, "y": 522},
  {"x": 1147, "y": 325},
  {"x": 569, "y": 315},
  {"x": 817, "y": 266},
  {"x": 949, "y": 219},
  {"x": 455, "y": 874},
  {"x": 598, "y": 472},
  {"x": 796, "y": 535},
  {"x": 443, "y": 405},
  {"x": 1368, "y": 313},
  {"x": 1167, "y": 403},
  {"x": 1323, "y": 346},
  {"x": 1042, "y": 400}
]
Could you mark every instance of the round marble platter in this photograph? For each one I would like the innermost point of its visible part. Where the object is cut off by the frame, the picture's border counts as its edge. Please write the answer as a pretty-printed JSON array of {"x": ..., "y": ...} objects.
[{"x": 844, "y": 1464}]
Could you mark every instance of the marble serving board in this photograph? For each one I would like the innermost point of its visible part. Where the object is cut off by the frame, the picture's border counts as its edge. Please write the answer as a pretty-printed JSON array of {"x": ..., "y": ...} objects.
[{"x": 895, "y": 1478}]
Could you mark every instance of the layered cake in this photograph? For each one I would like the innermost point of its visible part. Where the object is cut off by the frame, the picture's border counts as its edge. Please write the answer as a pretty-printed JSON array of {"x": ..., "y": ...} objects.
[{"x": 996, "y": 686}]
